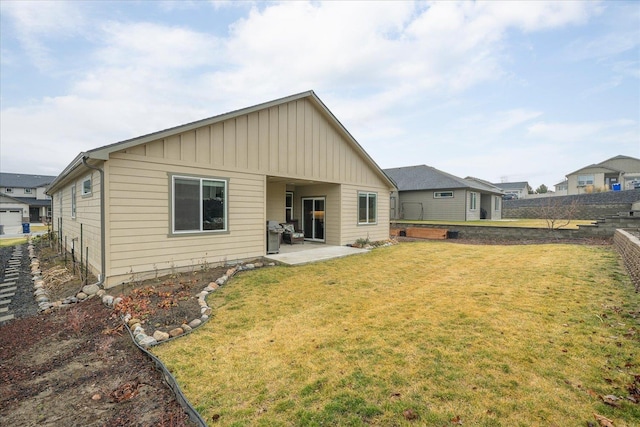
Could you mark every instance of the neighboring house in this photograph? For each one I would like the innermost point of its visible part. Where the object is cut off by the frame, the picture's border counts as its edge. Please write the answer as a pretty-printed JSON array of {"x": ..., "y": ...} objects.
[
  {"x": 519, "y": 189},
  {"x": 202, "y": 193},
  {"x": 26, "y": 194},
  {"x": 562, "y": 188},
  {"x": 605, "y": 176},
  {"x": 426, "y": 193}
]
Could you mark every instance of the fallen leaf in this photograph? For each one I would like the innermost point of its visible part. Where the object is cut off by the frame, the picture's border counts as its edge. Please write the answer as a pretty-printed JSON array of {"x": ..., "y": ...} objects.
[
  {"x": 611, "y": 400},
  {"x": 603, "y": 421},
  {"x": 456, "y": 420},
  {"x": 592, "y": 393},
  {"x": 410, "y": 414}
]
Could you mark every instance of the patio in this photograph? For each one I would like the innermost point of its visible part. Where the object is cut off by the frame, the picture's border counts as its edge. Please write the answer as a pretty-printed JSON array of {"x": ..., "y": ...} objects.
[{"x": 308, "y": 252}]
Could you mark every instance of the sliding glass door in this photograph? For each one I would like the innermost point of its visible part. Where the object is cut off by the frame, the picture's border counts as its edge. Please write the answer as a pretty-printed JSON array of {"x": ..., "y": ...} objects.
[{"x": 313, "y": 218}]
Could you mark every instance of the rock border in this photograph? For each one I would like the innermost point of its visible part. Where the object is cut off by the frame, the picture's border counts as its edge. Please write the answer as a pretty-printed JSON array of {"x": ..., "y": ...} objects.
[{"x": 45, "y": 305}]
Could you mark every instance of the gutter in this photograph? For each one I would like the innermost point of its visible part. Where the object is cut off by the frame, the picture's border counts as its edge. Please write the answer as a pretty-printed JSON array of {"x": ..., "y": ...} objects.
[{"x": 103, "y": 246}]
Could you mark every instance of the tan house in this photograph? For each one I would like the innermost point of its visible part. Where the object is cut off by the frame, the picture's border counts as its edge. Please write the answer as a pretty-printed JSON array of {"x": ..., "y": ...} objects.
[
  {"x": 616, "y": 173},
  {"x": 204, "y": 191}
]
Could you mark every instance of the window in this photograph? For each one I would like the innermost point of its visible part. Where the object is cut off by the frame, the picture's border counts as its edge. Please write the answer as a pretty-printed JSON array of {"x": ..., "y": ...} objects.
[
  {"x": 473, "y": 201},
  {"x": 86, "y": 186},
  {"x": 288, "y": 207},
  {"x": 443, "y": 194},
  {"x": 199, "y": 204},
  {"x": 27, "y": 190},
  {"x": 496, "y": 203},
  {"x": 73, "y": 201},
  {"x": 584, "y": 180},
  {"x": 367, "y": 207},
  {"x": 8, "y": 190}
]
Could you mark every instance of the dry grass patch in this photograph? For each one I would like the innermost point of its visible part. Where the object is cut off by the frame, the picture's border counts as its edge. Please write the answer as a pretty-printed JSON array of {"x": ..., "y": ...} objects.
[{"x": 424, "y": 333}]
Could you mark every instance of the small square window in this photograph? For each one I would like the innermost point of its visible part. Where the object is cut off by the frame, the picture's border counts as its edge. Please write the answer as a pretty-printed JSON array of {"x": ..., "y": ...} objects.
[
  {"x": 86, "y": 186},
  {"x": 8, "y": 190},
  {"x": 27, "y": 191}
]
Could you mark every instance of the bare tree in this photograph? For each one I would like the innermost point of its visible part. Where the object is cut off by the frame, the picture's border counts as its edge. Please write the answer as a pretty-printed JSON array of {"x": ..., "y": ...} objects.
[{"x": 557, "y": 211}]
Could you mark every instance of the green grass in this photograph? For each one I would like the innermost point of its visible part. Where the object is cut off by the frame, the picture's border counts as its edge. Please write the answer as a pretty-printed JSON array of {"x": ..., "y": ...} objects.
[
  {"x": 13, "y": 241},
  {"x": 494, "y": 335},
  {"x": 528, "y": 223}
]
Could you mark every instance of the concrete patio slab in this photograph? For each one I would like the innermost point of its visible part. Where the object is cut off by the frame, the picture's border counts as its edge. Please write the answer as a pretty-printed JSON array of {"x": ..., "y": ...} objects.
[{"x": 315, "y": 254}]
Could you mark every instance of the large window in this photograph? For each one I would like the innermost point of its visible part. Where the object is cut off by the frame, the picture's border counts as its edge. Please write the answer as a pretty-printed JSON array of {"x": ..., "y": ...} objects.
[
  {"x": 473, "y": 201},
  {"x": 367, "y": 208},
  {"x": 199, "y": 204},
  {"x": 584, "y": 180}
]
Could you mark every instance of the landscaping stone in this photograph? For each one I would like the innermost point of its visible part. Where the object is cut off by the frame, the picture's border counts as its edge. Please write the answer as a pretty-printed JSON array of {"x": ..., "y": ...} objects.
[
  {"x": 82, "y": 296},
  {"x": 91, "y": 289},
  {"x": 160, "y": 336},
  {"x": 186, "y": 328},
  {"x": 195, "y": 323},
  {"x": 175, "y": 332},
  {"x": 147, "y": 342}
]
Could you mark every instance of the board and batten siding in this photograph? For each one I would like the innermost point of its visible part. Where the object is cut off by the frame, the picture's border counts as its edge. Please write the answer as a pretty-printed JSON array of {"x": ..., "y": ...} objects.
[
  {"x": 292, "y": 140},
  {"x": 140, "y": 243}
]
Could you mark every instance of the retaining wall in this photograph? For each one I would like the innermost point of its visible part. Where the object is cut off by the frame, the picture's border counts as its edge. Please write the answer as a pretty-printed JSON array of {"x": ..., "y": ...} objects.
[
  {"x": 512, "y": 233},
  {"x": 628, "y": 246},
  {"x": 587, "y": 206}
]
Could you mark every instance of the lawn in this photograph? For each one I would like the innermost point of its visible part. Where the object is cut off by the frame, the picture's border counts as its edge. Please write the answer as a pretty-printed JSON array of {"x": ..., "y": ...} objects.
[
  {"x": 425, "y": 333},
  {"x": 14, "y": 241},
  {"x": 529, "y": 223}
]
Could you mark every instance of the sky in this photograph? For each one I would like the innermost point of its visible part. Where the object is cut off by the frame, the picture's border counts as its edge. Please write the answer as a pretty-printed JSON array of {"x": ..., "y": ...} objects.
[{"x": 502, "y": 91}]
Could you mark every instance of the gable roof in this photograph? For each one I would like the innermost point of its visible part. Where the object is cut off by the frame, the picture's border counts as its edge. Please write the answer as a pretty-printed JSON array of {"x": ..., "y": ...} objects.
[
  {"x": 102, "y": 153},
  {"x": 602, "y": 165},
  {"x": 423, "y": 177},
  {"x": 14, "y": 199},
  {"x": 21, "y": 180},
  {"x": 512, "y": 185}
]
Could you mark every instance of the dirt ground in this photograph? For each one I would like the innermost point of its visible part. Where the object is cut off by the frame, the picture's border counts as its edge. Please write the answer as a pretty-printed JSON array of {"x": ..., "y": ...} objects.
[{"x": 78, "y": 366}]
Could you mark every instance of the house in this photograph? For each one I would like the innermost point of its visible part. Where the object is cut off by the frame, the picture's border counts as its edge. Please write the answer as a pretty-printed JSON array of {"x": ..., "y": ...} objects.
[
  {"x": 605, "y": 176},
  {"x": 562, "y": 188},
  {"x": 426, "y": 193},
  {"x": 519, "y": 189},
  {"x": 23, "y": 199},
  {"x": 202, "y": 193}
]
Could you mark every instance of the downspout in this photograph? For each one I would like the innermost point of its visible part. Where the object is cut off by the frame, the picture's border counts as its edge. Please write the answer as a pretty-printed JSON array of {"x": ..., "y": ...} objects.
[{"x": 103, "y": 246}]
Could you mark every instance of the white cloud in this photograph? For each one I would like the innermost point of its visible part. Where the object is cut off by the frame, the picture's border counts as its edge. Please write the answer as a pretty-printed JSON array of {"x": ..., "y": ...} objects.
[
  {"x": 576, "y": 132},
  {"x": 34, "y": 23}
]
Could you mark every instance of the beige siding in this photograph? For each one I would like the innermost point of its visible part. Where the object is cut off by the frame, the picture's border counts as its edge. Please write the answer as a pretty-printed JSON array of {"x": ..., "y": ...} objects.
[
  {"x": 86, "y": 224},
  {"x": 276, "y": 193},
  {"x": 292, "y": 140},
  {"x": 351, "y": 230},
  {"x": 138, "y": 208}
]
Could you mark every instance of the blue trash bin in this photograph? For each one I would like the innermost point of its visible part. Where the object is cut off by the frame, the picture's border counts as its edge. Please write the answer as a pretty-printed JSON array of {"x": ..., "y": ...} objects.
[
  {"x": 615, "y": 187},
  {"x": 26, "y": 227}
]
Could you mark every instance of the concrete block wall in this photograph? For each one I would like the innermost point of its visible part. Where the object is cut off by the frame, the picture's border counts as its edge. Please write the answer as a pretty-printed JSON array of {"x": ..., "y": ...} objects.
[{"x": 628, "y": 246}]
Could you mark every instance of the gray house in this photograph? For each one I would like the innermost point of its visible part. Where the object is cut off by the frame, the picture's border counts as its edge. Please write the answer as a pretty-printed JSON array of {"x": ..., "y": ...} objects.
[
  {"x": 23, "y": 199},
  {"x": 426, "y": 193},
  {"x": 519, "y": 189}
]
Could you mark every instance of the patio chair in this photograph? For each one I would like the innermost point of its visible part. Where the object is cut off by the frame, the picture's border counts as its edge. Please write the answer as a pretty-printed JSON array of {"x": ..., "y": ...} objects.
[{"x": 290, "y": 235}]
